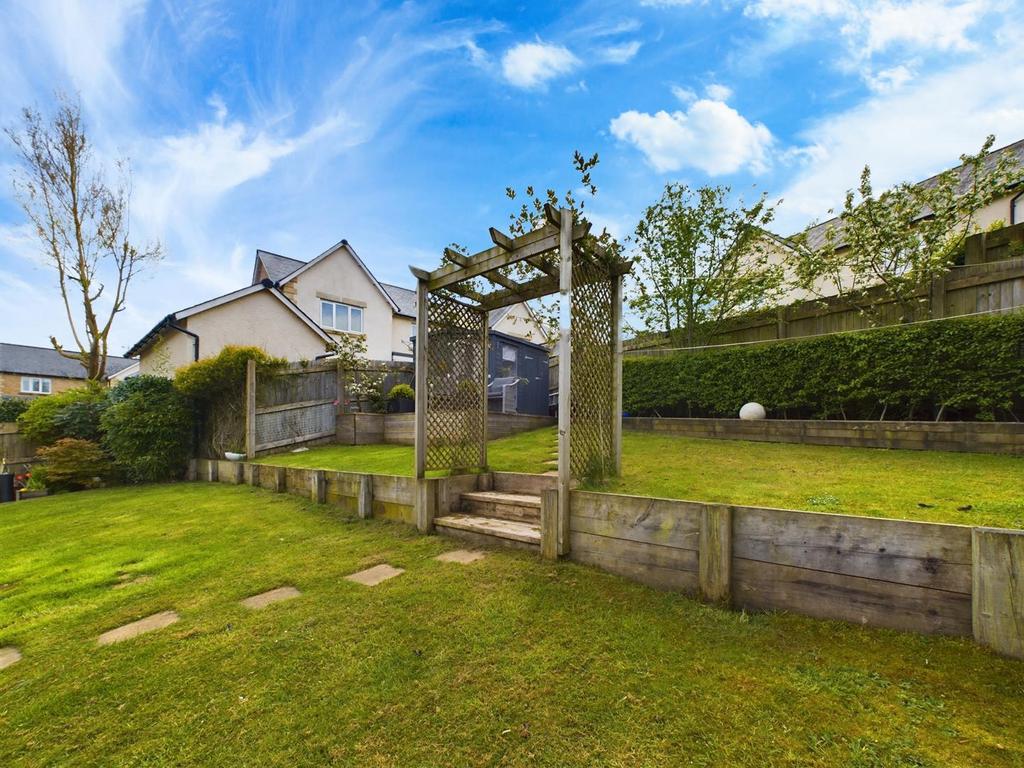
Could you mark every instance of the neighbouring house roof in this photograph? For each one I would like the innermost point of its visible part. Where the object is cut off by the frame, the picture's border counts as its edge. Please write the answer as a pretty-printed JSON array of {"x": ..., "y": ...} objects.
[
  {"x": 43, "y": 361},
  {"x": 355, "y": 256},
  {"x": 815, "y": 235},
  {"x": 276, "y": 266},
  {"x": 265, "y": 285},
  {"x": 404, "y": 298}
]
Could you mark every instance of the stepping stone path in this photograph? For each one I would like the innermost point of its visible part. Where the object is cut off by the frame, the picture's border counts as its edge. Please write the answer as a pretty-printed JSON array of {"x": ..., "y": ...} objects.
[
  {"x": 9, "y": 656},
  {"x": 462, "y": 556},
  {"x": 136, "y": 628},
  {"x": 131, "y": 579},
  {"x": 371, "y": 577},
  {"x": 264, "y": 599}
]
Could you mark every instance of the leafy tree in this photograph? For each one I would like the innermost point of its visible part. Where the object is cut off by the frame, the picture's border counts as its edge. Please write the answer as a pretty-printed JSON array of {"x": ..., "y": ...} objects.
[
  {"x": 82, "y": 223},
  {"x": 71, "y": 414},
  {"x": 11, "y": 408},
  {"x": 891, "y": 246},
  {"x": 699, "y": 261}
]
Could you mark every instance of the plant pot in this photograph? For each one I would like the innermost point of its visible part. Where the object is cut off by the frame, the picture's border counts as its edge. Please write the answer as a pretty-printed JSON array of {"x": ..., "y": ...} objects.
[
  {"x": 7, "y": 487},
  {"x": 232, "y": 456},
  {"x": 35, "y": 493}
]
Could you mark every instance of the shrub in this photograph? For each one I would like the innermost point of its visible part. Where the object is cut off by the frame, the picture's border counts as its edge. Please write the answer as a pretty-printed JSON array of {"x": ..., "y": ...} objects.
[
  {"x": 217, "y": 386},
  {"x": 11, "y": 408},
  {"x": 148, "y": 429},
  {"x": 968, "y": 368},
  {"x": 72, "y": 464},
  {"x": 75, "y": 413},
  {"x": 402, "y": 392}
]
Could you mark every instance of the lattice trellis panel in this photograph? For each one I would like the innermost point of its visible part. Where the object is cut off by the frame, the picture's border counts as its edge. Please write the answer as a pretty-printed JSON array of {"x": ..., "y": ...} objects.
[
  {"x": 455, "y": 366},
  {"x": 591, "y": 399}
]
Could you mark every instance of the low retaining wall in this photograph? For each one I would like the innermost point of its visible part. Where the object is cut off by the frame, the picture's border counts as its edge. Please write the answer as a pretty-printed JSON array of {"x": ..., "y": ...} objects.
[
  {"x": 929, "y": 578},
  {"x": 962, "y": 436},
  {"x": 922, "y": 577},
  {"x": 400, "y": 428}
]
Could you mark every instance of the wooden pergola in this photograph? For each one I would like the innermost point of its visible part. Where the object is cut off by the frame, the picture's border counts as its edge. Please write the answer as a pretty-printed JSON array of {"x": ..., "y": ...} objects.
[{"x": 452, "y": 337}]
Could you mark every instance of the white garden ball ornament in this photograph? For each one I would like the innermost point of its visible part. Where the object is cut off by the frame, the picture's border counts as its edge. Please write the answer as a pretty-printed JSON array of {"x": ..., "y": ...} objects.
[{"x": 752, "y": 412}]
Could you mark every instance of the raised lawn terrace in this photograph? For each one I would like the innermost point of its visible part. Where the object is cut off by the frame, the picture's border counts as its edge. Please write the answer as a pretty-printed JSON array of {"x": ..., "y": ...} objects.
[
  {"x": 967, "y": 488},
  {"x": 507, "y": 660}
]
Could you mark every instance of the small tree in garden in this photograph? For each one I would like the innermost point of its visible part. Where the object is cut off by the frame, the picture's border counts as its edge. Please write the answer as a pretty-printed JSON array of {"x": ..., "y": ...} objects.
[
  {"x": 71, "y": 464},
  {"x": 82, "y": 223},
  {"x": 900, "y": 240},
  {"x": 74, "y": 413},
  {"x": 700, "y": 261}
]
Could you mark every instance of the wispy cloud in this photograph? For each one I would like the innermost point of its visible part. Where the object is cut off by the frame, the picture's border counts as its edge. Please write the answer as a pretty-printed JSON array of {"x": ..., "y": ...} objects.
[{"x": 532, "y": 65}]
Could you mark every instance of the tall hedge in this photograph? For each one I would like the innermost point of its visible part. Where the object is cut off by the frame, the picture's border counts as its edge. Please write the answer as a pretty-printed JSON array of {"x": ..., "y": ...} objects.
[{"x": 969, "y": 368}]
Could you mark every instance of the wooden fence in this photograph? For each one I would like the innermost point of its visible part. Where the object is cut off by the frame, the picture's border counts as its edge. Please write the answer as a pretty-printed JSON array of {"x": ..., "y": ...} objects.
[
  {"x": 958, "y": 436},
  {"x": 982, "y": 285},
  {"x": 18, "y": 452},
  {"x": 930, "y": 578}
]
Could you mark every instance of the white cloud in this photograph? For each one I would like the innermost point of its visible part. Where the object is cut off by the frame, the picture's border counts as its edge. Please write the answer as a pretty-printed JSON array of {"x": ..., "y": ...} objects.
[
  {"x": 906, "y": 135},
  {"x": 888, "y": 80},
  {"x": 717, "y": 92},
  {"x": 532, "y": 65},
  {"x": 709, "y": 135},
  {"x": 684, "y": 95},
  {"x": 934, "y": 24},
  {"x": 620, "y": 54}
]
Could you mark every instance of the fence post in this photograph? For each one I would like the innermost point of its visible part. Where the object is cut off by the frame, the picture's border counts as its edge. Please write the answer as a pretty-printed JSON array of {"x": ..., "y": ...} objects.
[
  {"x": 365, "y": 508},
  {"x": 997, "y": 593},
  {"x": 426, "y": 503},
  {"x": 937, "y": 297},
  {"x": 318, "y": 487},
  {"x": 714, "y": 558},
  {"x": 781, "y": 324},
  {"x": 549, "y": 524},
  {"x": 250, "y": 409}
]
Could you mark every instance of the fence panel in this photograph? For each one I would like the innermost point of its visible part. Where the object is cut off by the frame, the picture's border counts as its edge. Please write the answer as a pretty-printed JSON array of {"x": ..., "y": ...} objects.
[{"x": 297, "y": 405}]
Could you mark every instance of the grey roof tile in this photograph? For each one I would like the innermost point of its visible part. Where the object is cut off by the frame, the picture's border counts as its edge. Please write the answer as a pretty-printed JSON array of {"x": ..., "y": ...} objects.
[
  {"x": 41, "y": 361},
  {"x": 278, "y": 267}
]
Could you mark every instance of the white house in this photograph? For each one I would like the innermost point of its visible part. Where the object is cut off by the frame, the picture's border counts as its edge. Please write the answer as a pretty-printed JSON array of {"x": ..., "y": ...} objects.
[{"x": 297, "y": 310}]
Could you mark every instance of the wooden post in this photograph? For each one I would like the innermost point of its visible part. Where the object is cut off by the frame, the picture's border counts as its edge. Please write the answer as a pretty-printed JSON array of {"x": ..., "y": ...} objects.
[
  {"x": 997, "y": 590},
  {"x": 485, "y": 335},
  {"x": 422, "y": 330},
  {"x": 714, "y": 558},
  {"x": 937, "y": 297},
  {"x": 280, "y": 479},
  {"x": 781, "y": 324},
  {"x": 426, "y": 503},
  {"x": 549, "y": 524},
  {"x": 192, "y": 472},
  {"x": 214, "y": 465},
  {"x": 250, "y": 409},
  {"x": 318, "y": 487},
  {"x": 365, "y": 503},
  {"x": 616, "y": 374},
  {"x": 564, "y": 371},
  {"x": 238, "y": 471}
]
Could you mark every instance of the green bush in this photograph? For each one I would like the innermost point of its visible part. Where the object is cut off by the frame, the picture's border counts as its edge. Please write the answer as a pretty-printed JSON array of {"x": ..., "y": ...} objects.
[
  {"x": 217, "y": 386},
  {"x": 224, "y": 375},
  {"x": 71, "y": 464},
  {"x": 401, "y": 392},
  {"x": 969, "y": 368},
  {"x": 75, "y": 413},
  {"x": 148, "y": 429},
  {"x": 11, "y": 408}
]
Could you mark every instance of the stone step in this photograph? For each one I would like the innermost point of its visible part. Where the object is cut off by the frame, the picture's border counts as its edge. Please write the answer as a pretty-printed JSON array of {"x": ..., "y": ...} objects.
[
  {"x": 490, "y": 530},
  {"x": 524, "y": 507}
]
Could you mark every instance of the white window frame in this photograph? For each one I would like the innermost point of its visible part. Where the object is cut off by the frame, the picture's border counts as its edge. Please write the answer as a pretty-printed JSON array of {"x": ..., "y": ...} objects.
[
  {"x": 349, "y": 311},
  {"x": 36, "y": 385}
]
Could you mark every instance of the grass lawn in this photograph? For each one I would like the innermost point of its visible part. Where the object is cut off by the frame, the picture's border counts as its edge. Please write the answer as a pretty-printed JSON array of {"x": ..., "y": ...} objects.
[
  {"x": 973, "y": 489},
  {"x": 507, "y": 661}
]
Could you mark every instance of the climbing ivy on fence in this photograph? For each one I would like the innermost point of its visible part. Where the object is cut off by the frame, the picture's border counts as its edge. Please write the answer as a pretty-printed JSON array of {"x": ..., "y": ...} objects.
[{"x": 964, "y": 368}]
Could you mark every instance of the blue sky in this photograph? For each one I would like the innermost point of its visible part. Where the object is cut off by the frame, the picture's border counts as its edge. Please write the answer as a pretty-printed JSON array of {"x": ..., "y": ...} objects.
[{"x": 289, "y": 126}]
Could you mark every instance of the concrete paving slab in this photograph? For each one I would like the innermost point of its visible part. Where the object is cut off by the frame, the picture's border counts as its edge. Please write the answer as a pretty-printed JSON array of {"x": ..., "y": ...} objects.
[
  {"x": 263, "y": 599},
  {"x": 9, "y": 656},
  {"x": 371, "y": 577},
  {"x": 136, "y": 628},
  {"x": 462, "y": 556}
]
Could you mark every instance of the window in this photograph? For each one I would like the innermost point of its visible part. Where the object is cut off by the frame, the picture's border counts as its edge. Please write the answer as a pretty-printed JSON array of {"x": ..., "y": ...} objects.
[
  {"x": 341, "y": 317},
  {"x": 508, "y": 365},
  {"x": 33, "y": 386}
]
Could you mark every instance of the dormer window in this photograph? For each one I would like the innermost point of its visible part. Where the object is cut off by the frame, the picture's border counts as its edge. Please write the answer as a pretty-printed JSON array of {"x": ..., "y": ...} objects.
[{"x": 341, "y": 317}]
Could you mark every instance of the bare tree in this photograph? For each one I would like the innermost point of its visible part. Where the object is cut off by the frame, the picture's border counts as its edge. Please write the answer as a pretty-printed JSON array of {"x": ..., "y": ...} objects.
[{"x": 82, "y": 224}]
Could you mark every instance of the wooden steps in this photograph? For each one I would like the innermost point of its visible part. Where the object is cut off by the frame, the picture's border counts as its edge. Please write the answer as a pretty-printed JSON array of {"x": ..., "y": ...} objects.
[
  {"x": 503, "y": 505},
  {"x": 490, "y": 531}
]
